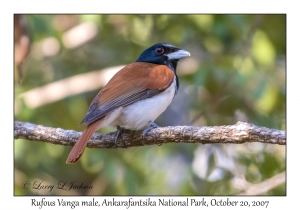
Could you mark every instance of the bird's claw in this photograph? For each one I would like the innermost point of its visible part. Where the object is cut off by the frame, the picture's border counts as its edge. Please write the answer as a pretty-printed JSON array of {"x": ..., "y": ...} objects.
[
  {"x": 119, "y": 131},
  {"x": 152, "y": 125}
]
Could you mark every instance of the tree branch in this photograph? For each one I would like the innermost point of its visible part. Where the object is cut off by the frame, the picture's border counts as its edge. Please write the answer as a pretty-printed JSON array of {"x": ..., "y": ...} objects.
[
  {"x": 260, "y": 188},
  {"x": 239, "y": 133}
]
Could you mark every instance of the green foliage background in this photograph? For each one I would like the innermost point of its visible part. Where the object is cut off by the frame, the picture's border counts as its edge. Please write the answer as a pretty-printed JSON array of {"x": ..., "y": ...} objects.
[{"x": 238, "y": 73}]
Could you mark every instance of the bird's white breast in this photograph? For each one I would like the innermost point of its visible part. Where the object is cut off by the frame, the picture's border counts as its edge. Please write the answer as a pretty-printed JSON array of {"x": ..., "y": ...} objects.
[{"x": 137, "y": 115}]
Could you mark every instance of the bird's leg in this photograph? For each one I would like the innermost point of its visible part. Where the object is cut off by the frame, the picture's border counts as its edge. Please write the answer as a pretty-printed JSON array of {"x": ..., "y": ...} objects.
[
  {"x": 119, "y": 131},
  {"x": 152, "y": 125}
]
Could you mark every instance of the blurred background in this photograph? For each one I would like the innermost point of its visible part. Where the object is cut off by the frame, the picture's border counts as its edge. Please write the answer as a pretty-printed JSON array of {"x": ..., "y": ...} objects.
[{"x": 237, "y": 71}]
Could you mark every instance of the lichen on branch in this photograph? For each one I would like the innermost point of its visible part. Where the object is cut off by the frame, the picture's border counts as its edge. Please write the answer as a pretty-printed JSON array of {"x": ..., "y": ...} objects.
[{"x": 239, "y": 133}]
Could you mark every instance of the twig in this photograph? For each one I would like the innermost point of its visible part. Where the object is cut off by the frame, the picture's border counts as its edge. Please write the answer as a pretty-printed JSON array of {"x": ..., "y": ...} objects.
[
  {"x": 239, "y": 133},
  {"x": 58, "y": 90},
  {"x": 263, "y": 187}
]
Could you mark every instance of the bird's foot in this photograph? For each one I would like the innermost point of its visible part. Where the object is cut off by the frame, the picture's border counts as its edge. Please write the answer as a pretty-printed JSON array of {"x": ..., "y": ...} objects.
[
  {"x": 119, "y": 131},
  {"x": 152, "y": 125}
]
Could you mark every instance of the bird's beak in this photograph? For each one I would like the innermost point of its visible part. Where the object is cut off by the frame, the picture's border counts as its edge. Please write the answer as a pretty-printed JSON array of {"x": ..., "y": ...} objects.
[{"x": 178, "y": 55}]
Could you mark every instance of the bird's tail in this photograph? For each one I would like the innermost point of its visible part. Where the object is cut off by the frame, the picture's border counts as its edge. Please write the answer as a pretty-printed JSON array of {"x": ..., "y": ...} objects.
[{"x": 79, "y": 147}]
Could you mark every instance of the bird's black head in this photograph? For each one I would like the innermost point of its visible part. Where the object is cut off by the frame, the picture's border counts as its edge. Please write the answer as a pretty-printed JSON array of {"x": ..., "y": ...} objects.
[{"x": 163, "y": 53}]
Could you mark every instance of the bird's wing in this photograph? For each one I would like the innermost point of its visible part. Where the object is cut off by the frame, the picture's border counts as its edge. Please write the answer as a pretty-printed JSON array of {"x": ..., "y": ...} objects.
[{"x": 134, "y": 82}]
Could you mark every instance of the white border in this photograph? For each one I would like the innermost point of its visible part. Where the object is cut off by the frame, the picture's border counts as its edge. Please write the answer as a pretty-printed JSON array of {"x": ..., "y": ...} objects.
[{"x": 8, "y": 8}]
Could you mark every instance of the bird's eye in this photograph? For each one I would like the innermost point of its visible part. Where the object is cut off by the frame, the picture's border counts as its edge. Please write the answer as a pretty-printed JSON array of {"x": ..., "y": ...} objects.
[{"x": 159, "y": 50}]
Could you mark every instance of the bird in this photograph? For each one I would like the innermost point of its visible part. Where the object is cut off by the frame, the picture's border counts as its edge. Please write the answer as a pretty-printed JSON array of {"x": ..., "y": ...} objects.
[{"x": 135, "y": 96}]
